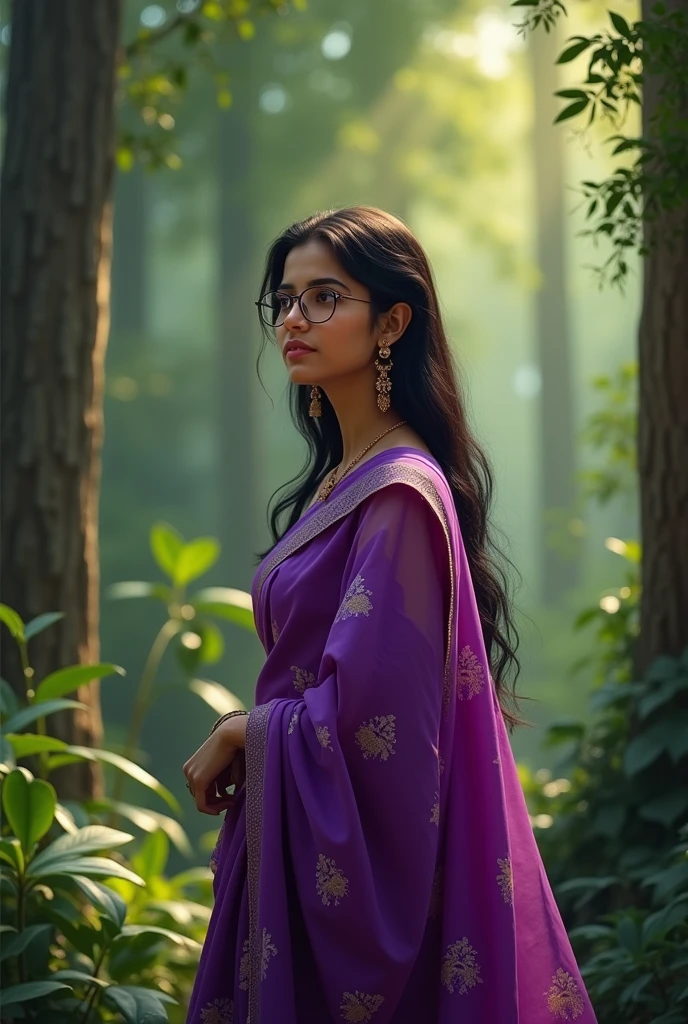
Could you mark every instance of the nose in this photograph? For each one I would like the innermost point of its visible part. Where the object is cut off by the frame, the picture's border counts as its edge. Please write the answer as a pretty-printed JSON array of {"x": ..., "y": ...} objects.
[{"x": 295, "y": 316}]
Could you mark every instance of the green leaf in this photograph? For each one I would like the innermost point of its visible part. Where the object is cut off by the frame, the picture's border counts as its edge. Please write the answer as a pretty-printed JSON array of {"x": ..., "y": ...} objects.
[
  {"x": 628, "y": 934},
  {"x": 28, "y": 991},
  {"x": 571, "y": 52},
  {"x": 29, "y": 806},
  {"x": 664, "y": 693},
  {"x": 572, "y": 94},
  {"x": 41, "y": 622},
  {"x": 16, "y": 945},
  {"x": 577, "y": 107},
  {"x": 620, "y": 24},
  {"x": 196, "y": 558},
  {"x": 166, "y": 545},
  {"x": 12, "y": 621},
  {"x": 658, "y": 924},
  {"x": 667, "y": 808},
  {"x": 139, "y": 1005},
  {"x": 564, "y": 732},
  {"x": 641, "y": 752},
  {"x": 145, "y": 819},
  {"x": 135, "y": 588},
  {"x": 129, "y": 768},
  {"x": 65, "y": 680},
  {"x": 9, "y": 702},
  {"x": 150, "y": 861},
  {"x": 11, "y": 852},
  {"x": 26, "y": 744},
  {"x": 81, "y": 977},
  {"x": 97, "y": 867},
  {"x": 213, "y": 645},
  {"x": 8, "y": 759},
  {"x": 49, "y": 707},
  {"x": 234, "y": 606},
  {"x": 130, "y": 930},
  {"x": 104, "y": 899},
  {"x": 216, "y": 696},
  {"x": 75, "y": 844}
]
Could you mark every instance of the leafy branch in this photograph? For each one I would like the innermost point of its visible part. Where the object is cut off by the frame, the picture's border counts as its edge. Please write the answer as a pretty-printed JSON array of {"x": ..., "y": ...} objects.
[{"x": 621, "y": 207}]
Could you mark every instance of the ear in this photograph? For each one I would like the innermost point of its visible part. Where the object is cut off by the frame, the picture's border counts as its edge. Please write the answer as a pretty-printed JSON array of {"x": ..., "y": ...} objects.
[{"x": 394, "y": 322}]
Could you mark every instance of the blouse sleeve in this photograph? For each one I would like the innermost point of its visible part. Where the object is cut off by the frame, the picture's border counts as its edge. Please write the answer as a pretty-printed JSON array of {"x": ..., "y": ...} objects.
[{"x": 350, "y": 793}]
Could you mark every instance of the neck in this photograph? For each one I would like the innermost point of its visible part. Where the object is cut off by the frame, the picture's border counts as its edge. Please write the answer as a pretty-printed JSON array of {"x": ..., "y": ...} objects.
[{"x": 360, "y": 420}]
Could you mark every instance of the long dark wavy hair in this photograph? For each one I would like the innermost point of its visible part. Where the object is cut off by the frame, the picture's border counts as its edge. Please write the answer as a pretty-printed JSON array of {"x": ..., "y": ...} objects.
[{"x": 380, "y": 252}]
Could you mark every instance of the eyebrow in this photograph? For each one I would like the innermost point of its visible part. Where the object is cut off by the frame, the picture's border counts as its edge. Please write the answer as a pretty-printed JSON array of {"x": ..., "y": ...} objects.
[{"x": 317, "y": 280}]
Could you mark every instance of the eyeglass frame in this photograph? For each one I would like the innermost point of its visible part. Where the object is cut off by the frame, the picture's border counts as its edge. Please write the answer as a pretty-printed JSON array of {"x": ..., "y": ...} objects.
[{"x": 297, "y": 298}]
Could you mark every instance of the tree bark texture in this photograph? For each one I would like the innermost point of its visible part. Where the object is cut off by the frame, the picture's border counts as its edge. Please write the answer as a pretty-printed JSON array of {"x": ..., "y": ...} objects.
[
  {"x": 663, "y": 418},
  {"x": 56, "y": 217}
]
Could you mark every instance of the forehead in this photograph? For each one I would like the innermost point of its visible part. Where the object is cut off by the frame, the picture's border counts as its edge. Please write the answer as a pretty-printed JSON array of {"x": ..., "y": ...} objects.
[{"x": 313, "y": 259}]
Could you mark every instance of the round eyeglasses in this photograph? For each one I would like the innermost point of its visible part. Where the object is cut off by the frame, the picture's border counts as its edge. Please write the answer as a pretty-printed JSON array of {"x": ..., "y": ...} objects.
[{"x": 316, "y": 303}]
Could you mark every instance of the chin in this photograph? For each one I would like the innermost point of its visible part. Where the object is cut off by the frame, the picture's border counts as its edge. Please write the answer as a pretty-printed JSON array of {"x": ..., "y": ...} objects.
[{"x": 301, "y": 375}]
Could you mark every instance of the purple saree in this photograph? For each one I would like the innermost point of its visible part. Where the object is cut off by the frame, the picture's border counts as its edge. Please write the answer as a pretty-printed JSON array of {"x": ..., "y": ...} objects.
[{"x": 379, "y": 864}]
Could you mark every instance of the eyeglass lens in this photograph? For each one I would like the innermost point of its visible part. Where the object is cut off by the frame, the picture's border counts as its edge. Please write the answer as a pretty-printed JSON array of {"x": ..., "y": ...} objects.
[{"x": 318, "y": 305}]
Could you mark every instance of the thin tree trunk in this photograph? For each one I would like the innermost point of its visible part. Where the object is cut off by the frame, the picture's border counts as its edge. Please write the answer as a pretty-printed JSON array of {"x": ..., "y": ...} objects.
[
  {"x": 663, "y": 419},
  {"x": 556, "y": 433},
  {"x": 56, "y": 268}
]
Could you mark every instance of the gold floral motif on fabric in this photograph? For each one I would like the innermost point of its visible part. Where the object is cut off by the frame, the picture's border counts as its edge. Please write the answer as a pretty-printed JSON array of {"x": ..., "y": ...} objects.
[
  {"x": 220, "y": 1011},
  {"x": 460, "y": 968},
  {"x": 356, "y": 601},
  {"x": 563, "y": 997},
  {"x": 293, "y": 722},
  {"x": 302, "y": 679},
  {"x": 435, "y": 812},
  {"x": 359, "y": 1007},
  {"x": 275, "y": 631},
  {"x": 377, "y": 737},
  {"x": 471, "y": 675},
  {"x": 323, "y": 734},
  {"x": 330, "y": 882},
  {"x": 505, "y": 879},
  {"x": 436, "y": 894},
  {"x": 244, "y": 966}
]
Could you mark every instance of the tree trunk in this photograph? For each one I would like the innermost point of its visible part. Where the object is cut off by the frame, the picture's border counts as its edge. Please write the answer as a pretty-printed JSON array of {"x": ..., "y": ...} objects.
[
  {"x": 663, "y": 418},
  {"x": 56, "y": 264},
  {"x": 556, "y": 433}
]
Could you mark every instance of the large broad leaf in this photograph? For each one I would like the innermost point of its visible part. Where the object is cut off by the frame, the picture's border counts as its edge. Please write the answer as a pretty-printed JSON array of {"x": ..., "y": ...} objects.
[
  {"x": 76, "y": 844},
  {"x": 195, "y": 558},
  {"x": 29, "y": 990},
  {"x": 144, "y": 818},
  {"x": 139, "y": 1005},
  {"x": 82, "y": 978},
  {"x": 65, "y": 680},
  {"x": 151, "y": 860},
  {"x": 16, "y": 945},
  {"x": 226, "y": 603},
  {"x": 130, "y": 930},
  {"x": 26, "y": 744},
  {"x": 48, "y": 707},
  {"x": 41, "y": 622},
  {"x": 138, "y": 588},
  {"x": 104, "y": 899},
  {"x": 218, "y": 697},
  {"x": 166, "y": 545},
  {"x": 134, "y": 770},
  {"x": 91, "y": 867},
  {"x": 13, "y": 621},
  {"x": 29, "y": 807}
]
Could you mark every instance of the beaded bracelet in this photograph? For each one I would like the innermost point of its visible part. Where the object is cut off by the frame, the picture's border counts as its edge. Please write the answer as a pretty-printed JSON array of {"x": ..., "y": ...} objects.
[{"x": 230, "y": 714}]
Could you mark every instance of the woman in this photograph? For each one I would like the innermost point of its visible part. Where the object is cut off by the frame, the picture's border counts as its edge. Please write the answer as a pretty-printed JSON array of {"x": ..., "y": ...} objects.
[{"x": 379, "y": 862}]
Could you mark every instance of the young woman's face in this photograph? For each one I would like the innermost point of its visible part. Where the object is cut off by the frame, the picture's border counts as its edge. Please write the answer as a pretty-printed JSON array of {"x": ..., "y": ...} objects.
[{"x": 345, "y": 344}]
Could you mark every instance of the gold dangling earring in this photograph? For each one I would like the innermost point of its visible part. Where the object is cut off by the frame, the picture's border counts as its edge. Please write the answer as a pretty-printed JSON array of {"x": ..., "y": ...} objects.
[
  {"x": 315, "y": 408},
  {"x": 383, "y": 384}
]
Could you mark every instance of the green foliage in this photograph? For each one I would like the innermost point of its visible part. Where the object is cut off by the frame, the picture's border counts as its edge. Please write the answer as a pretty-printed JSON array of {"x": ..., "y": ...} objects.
[
  {"x": 619, "y": 62},
  {"x": 86, "y": 935},
  {"x": 155, "y": 73}
]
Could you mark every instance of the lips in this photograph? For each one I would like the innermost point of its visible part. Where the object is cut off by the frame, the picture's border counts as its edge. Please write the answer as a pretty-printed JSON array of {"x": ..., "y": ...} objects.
[{"x": 297, "y": 346}]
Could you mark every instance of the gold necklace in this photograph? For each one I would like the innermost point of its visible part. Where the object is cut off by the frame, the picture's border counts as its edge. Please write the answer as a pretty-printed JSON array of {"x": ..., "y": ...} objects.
[{"x": 332, "y": 480}]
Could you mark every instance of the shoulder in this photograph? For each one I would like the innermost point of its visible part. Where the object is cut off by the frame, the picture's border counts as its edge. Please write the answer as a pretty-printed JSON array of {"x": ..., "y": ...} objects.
[{"x": 406, "y": 489}]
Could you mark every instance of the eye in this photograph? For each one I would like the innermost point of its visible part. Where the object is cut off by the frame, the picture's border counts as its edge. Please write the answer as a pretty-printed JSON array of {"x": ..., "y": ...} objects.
[
  {"x": 326, "y": 295},
  {"x": 284, "y": 301}
]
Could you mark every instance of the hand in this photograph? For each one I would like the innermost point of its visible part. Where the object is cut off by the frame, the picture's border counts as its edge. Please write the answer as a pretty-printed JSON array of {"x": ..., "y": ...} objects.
[{"x": 215, "y": 766}]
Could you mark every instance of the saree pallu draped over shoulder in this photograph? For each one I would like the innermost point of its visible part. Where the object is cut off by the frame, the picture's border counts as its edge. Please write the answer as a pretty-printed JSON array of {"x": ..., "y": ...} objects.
[{"x": 379, "y": 864}]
